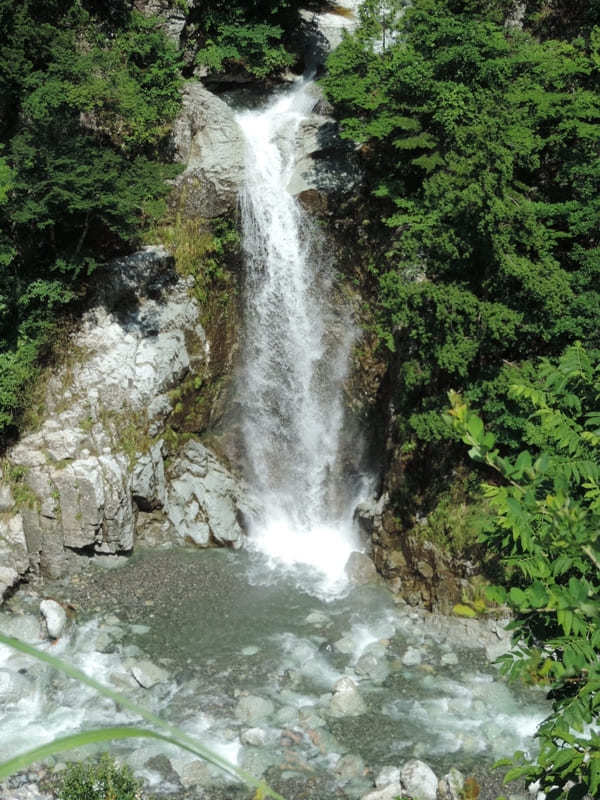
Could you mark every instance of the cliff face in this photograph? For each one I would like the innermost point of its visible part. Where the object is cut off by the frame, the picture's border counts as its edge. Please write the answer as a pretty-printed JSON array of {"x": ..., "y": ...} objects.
[{"x": 118, "y": 449}]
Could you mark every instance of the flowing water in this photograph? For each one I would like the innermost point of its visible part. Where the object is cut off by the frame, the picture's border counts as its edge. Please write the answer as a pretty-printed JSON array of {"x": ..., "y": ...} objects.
[
  {"x": 252, "y": 645},
  {"x": 297, "y": 344}
]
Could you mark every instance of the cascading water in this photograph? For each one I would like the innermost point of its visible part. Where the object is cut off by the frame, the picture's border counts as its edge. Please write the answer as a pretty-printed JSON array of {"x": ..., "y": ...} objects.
[{"x": 295, "y": 356}]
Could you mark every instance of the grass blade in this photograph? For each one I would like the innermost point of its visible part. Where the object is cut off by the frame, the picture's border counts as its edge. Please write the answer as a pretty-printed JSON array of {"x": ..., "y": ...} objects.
[{"x": 173, "y": 734}]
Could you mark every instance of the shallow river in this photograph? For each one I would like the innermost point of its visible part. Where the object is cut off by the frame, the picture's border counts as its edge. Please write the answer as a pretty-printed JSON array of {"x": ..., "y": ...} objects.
[{"x": 248, "y": 663}]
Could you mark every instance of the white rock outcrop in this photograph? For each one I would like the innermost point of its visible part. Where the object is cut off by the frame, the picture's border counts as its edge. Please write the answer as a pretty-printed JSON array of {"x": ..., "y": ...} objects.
[{"x": 208, "y": 140}]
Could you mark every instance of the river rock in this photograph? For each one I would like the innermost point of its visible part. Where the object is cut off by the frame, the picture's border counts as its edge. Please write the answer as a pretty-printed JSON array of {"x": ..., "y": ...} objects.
[
  {"x": 251, "y": 709},
  {"x": 387, "y": 776},
  {"x": 391, "y": 792},
  {"x": 349, "y": 767},
  {"x": 412, "y": 657},
  {"x": 255, "y": 737},
  {"x": 346, "y": 700},
  {"x": 208, "y": 140},
  {"x": 451, "y": 785},
  {"x": 419, "y": 780},
  {"x": 360, "y": 569},
  {"x": 148, "y": 674},
  {"x": 54, "y": 616}
]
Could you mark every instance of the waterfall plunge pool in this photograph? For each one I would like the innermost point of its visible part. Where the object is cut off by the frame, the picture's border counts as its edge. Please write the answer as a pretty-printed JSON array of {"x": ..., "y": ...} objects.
[{"x": 248, "y": 660}]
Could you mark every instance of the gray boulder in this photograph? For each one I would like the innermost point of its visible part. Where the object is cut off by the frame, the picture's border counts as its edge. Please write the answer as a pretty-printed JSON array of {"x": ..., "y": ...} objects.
[
  {"x": 148, "y": 674},
  {"x": 346, "y": 700},
  {"x": 252, "y": 709},
  {"x": 209, "y": 142},
  {"x": 204, "y": 500},
  {"x": 451, "y": 785},
  {"x": 419, "y": 780},
  {"x": 360, "y": 569},
  {"x": 390, "y": 792},
  {"x": 54, "y": 616}
]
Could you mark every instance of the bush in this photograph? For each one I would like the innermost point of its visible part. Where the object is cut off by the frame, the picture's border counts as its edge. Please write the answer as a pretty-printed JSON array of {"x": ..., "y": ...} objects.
[{"x": 105, "y": 780}]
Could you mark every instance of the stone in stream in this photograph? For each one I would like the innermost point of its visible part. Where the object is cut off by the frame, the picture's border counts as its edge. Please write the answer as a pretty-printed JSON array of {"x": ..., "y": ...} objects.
[
  {"x": 419, "y": 780},
  {"x": 346, "y": 700},
  {"x": 349, "y": 767},
  {"x": 148, "y": 674},
  {"x": 255, "y": 737},
  {"x": 252, "y": 709},
  {"x": 390, "y": 792},
  {"x": 54, "y": 616},
  {"x": 451, "y": 785},
  {"x": 387, "y": 776},
  {"x": 412, "y": 657}
]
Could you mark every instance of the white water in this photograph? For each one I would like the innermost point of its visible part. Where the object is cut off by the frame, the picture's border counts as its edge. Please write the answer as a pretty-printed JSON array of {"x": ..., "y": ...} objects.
[{"x": 295, "y": 356}]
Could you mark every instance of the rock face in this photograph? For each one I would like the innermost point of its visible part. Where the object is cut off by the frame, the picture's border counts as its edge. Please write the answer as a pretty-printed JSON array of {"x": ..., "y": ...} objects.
[
  {"x": 209, "y": 142},
  {"x": 97, "y": 461},
  {"x": 204, "y": 501},
  {"x": 326, "y": 164}
]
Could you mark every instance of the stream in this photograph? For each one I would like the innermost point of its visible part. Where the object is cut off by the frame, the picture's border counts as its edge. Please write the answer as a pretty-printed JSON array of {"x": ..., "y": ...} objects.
[{"x": 270, "y": 655}]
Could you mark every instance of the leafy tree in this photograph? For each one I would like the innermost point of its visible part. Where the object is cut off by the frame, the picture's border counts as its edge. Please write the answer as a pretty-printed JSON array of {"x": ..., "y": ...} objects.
[
  {"x": 480, "y": 144},
  {"x": 253, "y": 38},
  {"x": 546, "y": 527},
  {"x": 84, "y": 113}
]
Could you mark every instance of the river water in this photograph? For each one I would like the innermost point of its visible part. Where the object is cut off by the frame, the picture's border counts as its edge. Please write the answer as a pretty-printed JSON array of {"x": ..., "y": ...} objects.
[{"x": 248, "y": 649}]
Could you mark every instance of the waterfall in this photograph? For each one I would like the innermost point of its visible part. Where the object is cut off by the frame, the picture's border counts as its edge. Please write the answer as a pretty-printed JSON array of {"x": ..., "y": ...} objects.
[{"x": 295, "y": 355}]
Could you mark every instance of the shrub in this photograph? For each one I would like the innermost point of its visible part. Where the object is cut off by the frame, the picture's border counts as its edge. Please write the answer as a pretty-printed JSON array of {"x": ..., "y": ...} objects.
[{"x": 104, "y": 780}]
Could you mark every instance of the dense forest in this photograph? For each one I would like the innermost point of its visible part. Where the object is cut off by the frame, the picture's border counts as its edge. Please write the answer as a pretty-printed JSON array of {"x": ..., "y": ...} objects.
[
  {"x": 479, "y": 130},
  {"x": 476, "y": 248}
]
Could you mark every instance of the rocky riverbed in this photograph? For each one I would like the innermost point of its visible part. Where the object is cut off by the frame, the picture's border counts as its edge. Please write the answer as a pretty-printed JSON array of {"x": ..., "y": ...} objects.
[{"x": 323, "y": 697}]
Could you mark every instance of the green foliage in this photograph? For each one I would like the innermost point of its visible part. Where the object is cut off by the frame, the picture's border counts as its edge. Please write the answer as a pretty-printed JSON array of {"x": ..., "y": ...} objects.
[
  {"x": 547, "y": 528},
  {"x": 102, "y": 781},
  {"x": 160, "y": 731},
  {"x": 480, "y": 144},
  {"x": 87, "y": 99},
  {"x": 251, "y": 38}
]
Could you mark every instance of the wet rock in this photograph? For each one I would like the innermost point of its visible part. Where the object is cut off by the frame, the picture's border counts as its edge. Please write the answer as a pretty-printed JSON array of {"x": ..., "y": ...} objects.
[
  {"x": 148, "y": 674},
  {"x": 419, "y": 780},
  {"x": 376, "y": 668},
  {"x": 391, "y": 792},
  {"x": 192, "y": 773},
  {"x": 360, "y": 569},
  {"x": 451, "y": 785},
  {"x": 255, "y": 737},
  {"x": 346, "y": 700},
  {"x": 387, "y": 776},
  {"x": 208, "y": 140},
  {"x": 412, "y": 657},
  {"x": 317, "y": 618},
  {"x": 251, "y": 709},
  {"x": 325, "y": 163},
  {"x": 55, "y": 617},
  {"x": 349, "y": 767},
  {"x": 449, "y": 659}
]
